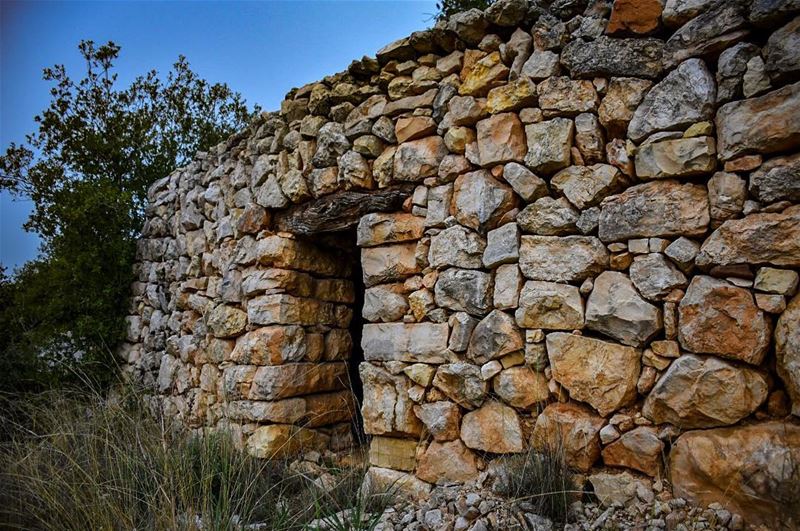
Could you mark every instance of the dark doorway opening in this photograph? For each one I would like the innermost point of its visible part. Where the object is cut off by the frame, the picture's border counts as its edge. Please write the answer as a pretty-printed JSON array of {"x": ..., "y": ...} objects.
[{"x": 343, "y": 243}]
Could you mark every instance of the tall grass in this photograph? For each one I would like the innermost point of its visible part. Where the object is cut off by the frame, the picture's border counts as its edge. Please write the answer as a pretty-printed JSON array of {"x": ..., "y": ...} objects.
[
  {"x": 541, "y": 480},
  {"x": 77, "y": 461}
]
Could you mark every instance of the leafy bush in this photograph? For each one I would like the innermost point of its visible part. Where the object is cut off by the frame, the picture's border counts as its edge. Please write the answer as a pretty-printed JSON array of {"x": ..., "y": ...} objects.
[
  {"x": 72, "y": 461},
  {"x": 96, "y": 149},
  {"x": 541, "y": 480}
]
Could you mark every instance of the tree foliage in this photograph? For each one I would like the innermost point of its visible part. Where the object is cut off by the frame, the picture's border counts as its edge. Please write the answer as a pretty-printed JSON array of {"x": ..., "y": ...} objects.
[
  {"x": 96, "y": 149},
  {"x": 445, "y": 8}
]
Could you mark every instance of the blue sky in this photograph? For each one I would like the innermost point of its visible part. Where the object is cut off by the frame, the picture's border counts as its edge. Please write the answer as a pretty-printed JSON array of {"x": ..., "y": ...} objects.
[{"x": 261, "y": 49}]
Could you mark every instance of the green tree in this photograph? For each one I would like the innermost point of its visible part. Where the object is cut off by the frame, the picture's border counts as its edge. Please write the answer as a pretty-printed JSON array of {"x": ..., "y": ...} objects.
[
  {"x": 445, "y": 8},
  {"x": 87, "y": 168}
]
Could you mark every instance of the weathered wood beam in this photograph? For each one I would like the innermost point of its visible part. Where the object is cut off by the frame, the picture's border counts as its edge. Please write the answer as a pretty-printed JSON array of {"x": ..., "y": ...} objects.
[{"x": 341, "y": 210}]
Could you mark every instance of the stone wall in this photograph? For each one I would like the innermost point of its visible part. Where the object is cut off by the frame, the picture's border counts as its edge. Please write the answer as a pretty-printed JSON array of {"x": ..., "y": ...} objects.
[{"x": 578, "y": 224}]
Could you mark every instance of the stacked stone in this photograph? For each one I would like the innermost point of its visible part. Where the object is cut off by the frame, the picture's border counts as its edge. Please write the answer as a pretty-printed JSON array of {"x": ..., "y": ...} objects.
[{"x": 601, "y": 252}]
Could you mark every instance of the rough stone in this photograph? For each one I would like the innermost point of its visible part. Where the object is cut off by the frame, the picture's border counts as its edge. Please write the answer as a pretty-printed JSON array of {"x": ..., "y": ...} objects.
[
  {"x": 464, "y": 290},
  {"x": 726, "y": 196},
  {"x": 507, "y": 284},
  {"x": 502, "y": 245},
  {"x": 484, "y": 75},
  {"x": 378, "y": 229},
  {"x": 567, "y": 96},
  {"x": 587, "y": 186},
  {"x": 549, "y": 144},
  {"x": 293, "y": 379},
  {"x": 778, "y": 179},
  {"x": 606, "y": 57},
  {"x": 492, "y": 428},
  {"x": 787, "y": 351},
  {"x": 549, "y": 217},
  {"x": 757, "y": 477},
  {"x": 562, "y": 259},
  {"x": 456, "y": 246},
  {"x": 447, "y": 462},
  {"x": 279, "y": 441},
  {"x": 524, "y": 182},
  {"x": 541, "y": 64},
  {"x": 597, "y": 372},
  {"x": 386, "y": 408},
  {"x": 719, "y": 318},
  {"x": 390, "y": 452},
  {"x": 462, "y": 383},
  {"x": 780, "y": 281},
  {"x": 617, "y": 488},
  {"x": 765, "y": 124},
  {"x": 419, "y": 342},
  {"x": 681, "y": 157},
  {"x": 495, "y": 336},
  {"x": 417, "y": 159},
  {"x": 570, "y": 428},
  {"x": 780, "y": 53},
  {"x": 501, "y": 139},
  {"x": 521, "y": 387},
  {"x": 655, "y": 209},
  {"x": 768, "y": 238},
  {"x": 685, "y": 96},
  {"x": 709, "y": 32},
  {"x": 461, "y": 326},
  {"x": 704, "y": 392},
  {"x": 615, "y": 309},
  {"x": 550, "y": 306},
  {"x": 511, "y": 97},
  {"x": 227, "y": 321},
  {"x": 631, "y": 16},
  {"x": 655, "y": 277},
  {"x": 442, "y": 419},
  {"x": 388, "y": 263},
  {"x": 639, "y": 449},
  {"x": 479, "y": 200},
  {"x": 621, "y": 100}
]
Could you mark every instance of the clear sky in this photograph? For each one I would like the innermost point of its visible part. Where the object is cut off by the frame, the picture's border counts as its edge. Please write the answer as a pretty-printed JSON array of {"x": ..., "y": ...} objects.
[{"x": 260, "y": 48}]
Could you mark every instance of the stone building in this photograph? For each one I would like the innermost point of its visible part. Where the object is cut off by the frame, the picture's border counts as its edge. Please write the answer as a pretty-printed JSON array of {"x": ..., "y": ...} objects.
[{"x": 522, "y": 226}]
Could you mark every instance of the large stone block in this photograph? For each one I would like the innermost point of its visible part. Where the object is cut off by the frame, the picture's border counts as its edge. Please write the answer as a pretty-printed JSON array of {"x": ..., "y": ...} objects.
[
  {"x": 787, "y": 351},
  {"x": 501, "y": 139},
  {"x": 656, "y": 209},
  {"x": 386, "y": 408},
  {"x": 462, "y": 383},
  {"x": 447, "y": 462},
  {"x": 294, "y": 379},
  {"x": 615, "y": 309},
  {"x": 549, "y": 144},
  {"x": 680, "y": 157},
  {"x": 309, "y": 411},
  {"x": 270, "y": 345},
  {"x": 493, "y": 428},
  {"x": 550, "y": 306},
  {"x": 765, "y": 124},
  {"x": 464, "y": 290},
  {"x": 704, "y": 392},
  {"x": 639, "y": 449},
  {"x": 600, "y": 373},
  {"x": 751, "y": 470},
  {"x": 417, "y": 159},
  {"x": 377, "y": 229},
  {"x": 389, "y": 452},
  {"x": 413, "y": 342},
  {"x": 716, "y": 317},
  {"x": 495, "y": 336},
  {"x": 768, "y": 238},
  {"x": 479, "y": 200},
  {"x": 521, "y": 387},
  {"x": 389, "y": 263},
  {"x": 287, "y": 253},
  {"x": 456, "y": 246},
  {"x": 572, "y": 429},
  {"x": 286, "y": 309},
  {"x": 562, "y": 259},
  {"x": 278, "y": 441}
]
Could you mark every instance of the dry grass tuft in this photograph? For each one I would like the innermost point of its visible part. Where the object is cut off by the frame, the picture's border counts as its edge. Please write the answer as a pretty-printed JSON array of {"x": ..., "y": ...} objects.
[{"x": 77, "y": 461}]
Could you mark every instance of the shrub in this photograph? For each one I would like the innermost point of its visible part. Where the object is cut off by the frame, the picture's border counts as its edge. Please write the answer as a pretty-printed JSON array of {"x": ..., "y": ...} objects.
[{"x": 72, "y": 461}]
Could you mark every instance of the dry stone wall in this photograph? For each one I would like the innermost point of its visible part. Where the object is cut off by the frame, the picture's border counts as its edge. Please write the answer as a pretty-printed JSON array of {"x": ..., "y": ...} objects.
[{"x": 577, "y": 224}]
